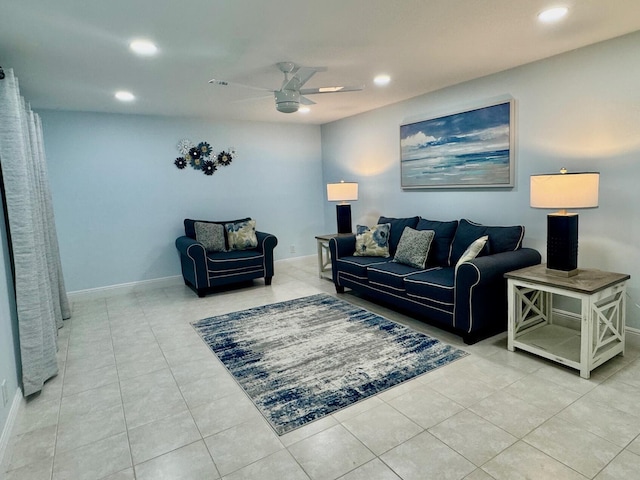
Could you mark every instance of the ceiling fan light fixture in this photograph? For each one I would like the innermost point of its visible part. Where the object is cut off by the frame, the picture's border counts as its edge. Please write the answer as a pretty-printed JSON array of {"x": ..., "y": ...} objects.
[{"x": 287, "y": 101}]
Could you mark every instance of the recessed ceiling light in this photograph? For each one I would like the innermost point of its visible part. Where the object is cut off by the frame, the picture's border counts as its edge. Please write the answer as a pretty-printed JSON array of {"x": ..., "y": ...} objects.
[
  {"x": 125, "y": 96},
  {"x": 552, "y": 14},
  {"x": 382, "y": 80},
  {"x": 143, "y": 47},
  {"x": 304, "y": 110}
]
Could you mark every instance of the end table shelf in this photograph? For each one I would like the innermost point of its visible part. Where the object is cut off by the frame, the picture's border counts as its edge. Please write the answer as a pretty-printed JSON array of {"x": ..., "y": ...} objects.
[{"x": 601, "y": 334}]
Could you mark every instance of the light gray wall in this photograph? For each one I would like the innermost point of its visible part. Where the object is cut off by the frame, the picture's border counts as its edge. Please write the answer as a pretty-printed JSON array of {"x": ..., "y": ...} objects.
[
  {"x": 119, "y": 201},
  {"x": 579, "y": 110},
  {"x": 8, "y": 326}
]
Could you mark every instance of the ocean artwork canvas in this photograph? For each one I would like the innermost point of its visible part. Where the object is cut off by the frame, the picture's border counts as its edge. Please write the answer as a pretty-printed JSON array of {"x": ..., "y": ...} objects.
[{"x": 471, "y": 149}]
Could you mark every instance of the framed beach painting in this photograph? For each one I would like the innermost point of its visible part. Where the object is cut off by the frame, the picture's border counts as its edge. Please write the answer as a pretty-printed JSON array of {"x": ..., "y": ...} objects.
[{"x": 471, "y": 149}]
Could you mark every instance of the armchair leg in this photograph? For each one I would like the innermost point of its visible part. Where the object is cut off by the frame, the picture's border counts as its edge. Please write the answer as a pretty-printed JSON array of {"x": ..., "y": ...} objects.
[
  {"x": 339, "y": 289},
  {"x": 267, "y": 280},
  {"x": 201, "y": 293}
]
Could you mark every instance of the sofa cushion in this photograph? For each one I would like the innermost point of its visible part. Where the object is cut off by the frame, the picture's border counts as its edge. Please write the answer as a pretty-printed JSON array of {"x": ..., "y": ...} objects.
[
  {"x": 357, "y": 266},
  {"x": 211, "y": 236},
  {"x": 501, "y": 239},
  {"x": 413, "y": 247},
  {"x": 242, "y": 235},
  {"x": 235, "y": 262},
  {"x": 390, "y": 275},
  {"x": 397, "y": 227},
  {"x": 435, "y": 285},
  {"x": 372, "y": 242},
  {"x": 441, "y": 244}
]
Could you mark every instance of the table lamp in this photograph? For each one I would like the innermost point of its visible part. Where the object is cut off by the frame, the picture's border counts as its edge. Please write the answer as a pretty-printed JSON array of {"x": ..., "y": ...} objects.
[
  {"x": 564, "y": 190},
  {"x": 343, "y": 192}
]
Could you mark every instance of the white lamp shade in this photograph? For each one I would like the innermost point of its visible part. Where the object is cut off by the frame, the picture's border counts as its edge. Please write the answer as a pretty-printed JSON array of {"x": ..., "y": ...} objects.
[
  {"x": 342, "y": 192},
  {"x": 565, "y": 190}
]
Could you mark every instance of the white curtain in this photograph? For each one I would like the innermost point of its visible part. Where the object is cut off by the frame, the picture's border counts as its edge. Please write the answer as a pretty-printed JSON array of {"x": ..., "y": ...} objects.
[{"x": 41, "y": 297}]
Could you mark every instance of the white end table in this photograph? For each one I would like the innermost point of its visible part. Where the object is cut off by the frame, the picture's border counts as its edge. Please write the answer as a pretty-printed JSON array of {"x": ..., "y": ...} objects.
[
  {"x": 324, "y": 257},
  {"x": 601, "y": 335}
]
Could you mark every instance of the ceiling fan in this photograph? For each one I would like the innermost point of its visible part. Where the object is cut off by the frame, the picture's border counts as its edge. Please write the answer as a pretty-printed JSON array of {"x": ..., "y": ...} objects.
[{"x": 291, "y": 94}]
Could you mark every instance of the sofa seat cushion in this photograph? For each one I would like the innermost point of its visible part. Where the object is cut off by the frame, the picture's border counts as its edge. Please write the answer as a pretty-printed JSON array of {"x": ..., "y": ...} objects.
[
  {"x": 235, "y": 262},
  {"x": 435, "y": 285},
  {"x": 357, "y": 266},
  {"x": 390, "y": 275}
]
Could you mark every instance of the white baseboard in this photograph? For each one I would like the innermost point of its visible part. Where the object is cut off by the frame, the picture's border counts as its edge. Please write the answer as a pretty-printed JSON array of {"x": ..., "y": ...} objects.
[
  {"x": 125, "y": 288},
  {"x": 562, "y": 316},
  {"x": 8, "y": 426},
  {"x": 632, "y": 331}
]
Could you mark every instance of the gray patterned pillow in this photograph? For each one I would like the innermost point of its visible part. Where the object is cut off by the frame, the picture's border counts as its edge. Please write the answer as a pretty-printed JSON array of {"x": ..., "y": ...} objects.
[
  {"x": 211, "y": 235},
  {"x": 413, "y": 247},
  {"x": 242, "y": 235}
]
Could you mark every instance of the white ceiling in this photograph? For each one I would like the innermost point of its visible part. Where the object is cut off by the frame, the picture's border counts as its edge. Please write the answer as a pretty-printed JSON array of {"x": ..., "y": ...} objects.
[{"x": 73, "y": 54}]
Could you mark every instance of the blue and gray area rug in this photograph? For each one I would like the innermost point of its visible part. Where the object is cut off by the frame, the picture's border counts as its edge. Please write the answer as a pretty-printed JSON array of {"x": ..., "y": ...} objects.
[{"x": 306, "y": 358}]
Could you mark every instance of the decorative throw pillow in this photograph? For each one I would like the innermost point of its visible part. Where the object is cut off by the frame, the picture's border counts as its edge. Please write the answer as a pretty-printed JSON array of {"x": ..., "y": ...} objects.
[
  {"x": 413, "y": 247},
  {"x": 473, "y": 250},
  {"x": 211, "y": 235},
  {"x": 372, "y": 242},
  {"x": 242, "y": 235}
]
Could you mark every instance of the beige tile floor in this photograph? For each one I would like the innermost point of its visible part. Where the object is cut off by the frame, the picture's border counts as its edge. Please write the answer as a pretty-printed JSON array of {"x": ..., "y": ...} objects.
[{"x": 140, "y": 396}]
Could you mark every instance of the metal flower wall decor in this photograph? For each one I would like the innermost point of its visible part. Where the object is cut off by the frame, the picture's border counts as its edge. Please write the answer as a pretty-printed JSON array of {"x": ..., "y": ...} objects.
[{"x": 202, "y": 157}]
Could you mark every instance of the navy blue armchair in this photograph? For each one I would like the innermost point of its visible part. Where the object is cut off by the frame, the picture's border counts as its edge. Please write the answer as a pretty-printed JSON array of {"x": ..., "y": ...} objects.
[{"x": 203, "y": 271}]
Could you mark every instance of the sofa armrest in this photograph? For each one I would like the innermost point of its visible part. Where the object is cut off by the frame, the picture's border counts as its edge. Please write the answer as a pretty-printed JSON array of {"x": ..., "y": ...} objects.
[
  {"x": 481, "y": 289},
  {"x": 482, "y": 270},
  {"x": 266, "y": 243},
  {"x": 342, "y": 246}
]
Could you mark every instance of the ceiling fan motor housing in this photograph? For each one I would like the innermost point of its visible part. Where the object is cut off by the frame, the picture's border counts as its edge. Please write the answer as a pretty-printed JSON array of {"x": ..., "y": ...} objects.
[{"x": 287, "y": 101}]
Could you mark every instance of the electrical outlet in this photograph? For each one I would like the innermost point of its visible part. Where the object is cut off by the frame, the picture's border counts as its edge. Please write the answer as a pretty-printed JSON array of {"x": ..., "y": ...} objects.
[
  {"x": 5, "y": 396},
  {"x": 292, "y": 249}
]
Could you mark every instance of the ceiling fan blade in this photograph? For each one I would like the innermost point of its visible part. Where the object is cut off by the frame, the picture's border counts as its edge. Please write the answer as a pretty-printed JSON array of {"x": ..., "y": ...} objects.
[
  {"x": 225, "y": 83},
  {"x": 306, "y": 101},
  {"x": 301, "y": 76},
  {"x": 252, "y": 99},
  {"x": 336, "y": 89}
]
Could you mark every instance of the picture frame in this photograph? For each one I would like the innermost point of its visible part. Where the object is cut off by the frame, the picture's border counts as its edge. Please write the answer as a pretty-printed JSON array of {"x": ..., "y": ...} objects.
[{"x": 469, "y": 149}]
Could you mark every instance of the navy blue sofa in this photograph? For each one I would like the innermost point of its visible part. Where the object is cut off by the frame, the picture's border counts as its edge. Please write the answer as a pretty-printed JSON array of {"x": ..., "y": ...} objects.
[
  {"x": 470, "y": 301},
  {"x": 203, "y": 271}
]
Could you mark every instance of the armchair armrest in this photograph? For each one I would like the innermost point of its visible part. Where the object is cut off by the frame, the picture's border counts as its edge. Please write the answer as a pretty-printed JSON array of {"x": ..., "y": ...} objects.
[
  {"x": 266, "y": 244},
  {"x": 193, "y": 260}
]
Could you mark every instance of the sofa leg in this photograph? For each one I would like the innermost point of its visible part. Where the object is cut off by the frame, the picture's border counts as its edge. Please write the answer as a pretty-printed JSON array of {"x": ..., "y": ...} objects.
[
  {"x": 267, "y": 280},
  {"x": 339, "y": 289}
]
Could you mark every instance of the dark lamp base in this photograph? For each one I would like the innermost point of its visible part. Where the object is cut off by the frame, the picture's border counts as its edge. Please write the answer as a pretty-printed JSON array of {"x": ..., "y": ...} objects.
[
  {"x": 562, "y": 273},
  {"x": 343, "y": 215},
  {"x": 562, "y": 244}
]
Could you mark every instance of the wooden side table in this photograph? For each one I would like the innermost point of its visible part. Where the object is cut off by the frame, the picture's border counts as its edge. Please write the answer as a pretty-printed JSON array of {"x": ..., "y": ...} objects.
[
  {"x": 324, "y": 257},
  {"x": 601, "y": 335}
]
